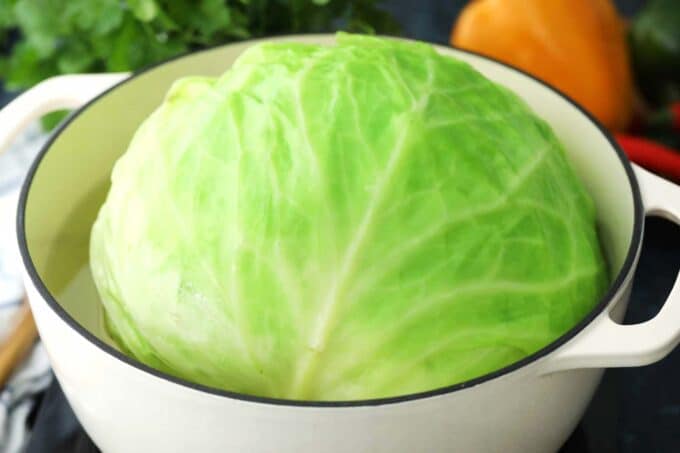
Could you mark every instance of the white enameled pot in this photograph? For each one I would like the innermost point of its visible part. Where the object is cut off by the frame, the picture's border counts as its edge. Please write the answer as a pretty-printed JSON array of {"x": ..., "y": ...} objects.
[{"x": 126, "y": 407}]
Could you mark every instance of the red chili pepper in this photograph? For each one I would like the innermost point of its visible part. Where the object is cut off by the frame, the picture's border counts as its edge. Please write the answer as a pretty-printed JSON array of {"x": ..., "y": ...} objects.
[{"x": 651, "y": 155}]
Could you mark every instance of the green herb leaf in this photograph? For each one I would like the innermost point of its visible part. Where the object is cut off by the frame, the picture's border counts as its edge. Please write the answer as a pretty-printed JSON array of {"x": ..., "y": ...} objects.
[
  {"x": 42, "y": 24},
  {"x": 98, "y": 17},
  {"x": 7, "y": 18},
  {"x": 26, "y": 68},
  {"x": 52, "y": 120},
  {"x": 75, "y": 57},
  {"x": 144, "y": 10},
  {"x": 121, "y": 35}
]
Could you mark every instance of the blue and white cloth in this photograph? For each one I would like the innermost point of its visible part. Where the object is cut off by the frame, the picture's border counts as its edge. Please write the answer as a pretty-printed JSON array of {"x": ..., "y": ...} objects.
[{"x": 18, "y": 397}]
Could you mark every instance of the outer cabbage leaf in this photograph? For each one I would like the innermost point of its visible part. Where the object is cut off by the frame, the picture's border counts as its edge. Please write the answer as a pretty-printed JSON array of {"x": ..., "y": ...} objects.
[{"x": 345, "y": 222}]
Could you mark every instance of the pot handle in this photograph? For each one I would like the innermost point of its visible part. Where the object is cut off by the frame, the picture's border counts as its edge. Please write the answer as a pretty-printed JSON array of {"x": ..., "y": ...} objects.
[
  {"x": 55, "y": 93},
  {"x": 605, "y": 343}
]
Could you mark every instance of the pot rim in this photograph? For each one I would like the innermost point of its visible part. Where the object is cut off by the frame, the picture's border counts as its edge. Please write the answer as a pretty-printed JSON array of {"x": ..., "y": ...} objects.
[{"x": 626, "y": 269}]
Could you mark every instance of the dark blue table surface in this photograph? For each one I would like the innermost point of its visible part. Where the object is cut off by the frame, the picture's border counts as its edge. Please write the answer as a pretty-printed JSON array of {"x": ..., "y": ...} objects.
[{"x": 635, "y": 410}]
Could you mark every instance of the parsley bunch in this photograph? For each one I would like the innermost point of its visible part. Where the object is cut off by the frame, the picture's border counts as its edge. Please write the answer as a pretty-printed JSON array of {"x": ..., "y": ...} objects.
[{"x": 41, "y": 38}]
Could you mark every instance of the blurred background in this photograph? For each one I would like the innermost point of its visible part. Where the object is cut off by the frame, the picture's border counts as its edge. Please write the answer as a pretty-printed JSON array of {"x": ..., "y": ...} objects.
[{"x": 619, "y": 59}]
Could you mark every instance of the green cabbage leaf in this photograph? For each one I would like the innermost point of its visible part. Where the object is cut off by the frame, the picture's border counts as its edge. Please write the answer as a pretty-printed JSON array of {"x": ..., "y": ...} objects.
[{"x": 343, "y": 222}]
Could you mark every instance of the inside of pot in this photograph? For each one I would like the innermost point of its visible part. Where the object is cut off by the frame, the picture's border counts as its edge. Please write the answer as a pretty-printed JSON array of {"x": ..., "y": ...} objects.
[{"x": 72, "y": 178}]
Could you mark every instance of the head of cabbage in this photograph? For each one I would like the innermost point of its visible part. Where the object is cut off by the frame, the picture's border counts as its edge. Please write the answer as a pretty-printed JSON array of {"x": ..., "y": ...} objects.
[{"x": 343, "y": 222}]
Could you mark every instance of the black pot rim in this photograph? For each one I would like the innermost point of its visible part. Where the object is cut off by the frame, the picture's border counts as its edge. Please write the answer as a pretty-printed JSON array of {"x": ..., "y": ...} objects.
[{"x": 614, "y": 288}]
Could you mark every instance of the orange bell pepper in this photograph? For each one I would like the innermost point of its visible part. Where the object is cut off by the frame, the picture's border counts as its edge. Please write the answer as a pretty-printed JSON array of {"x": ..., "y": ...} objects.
[{"x": 578, "y": 46}]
